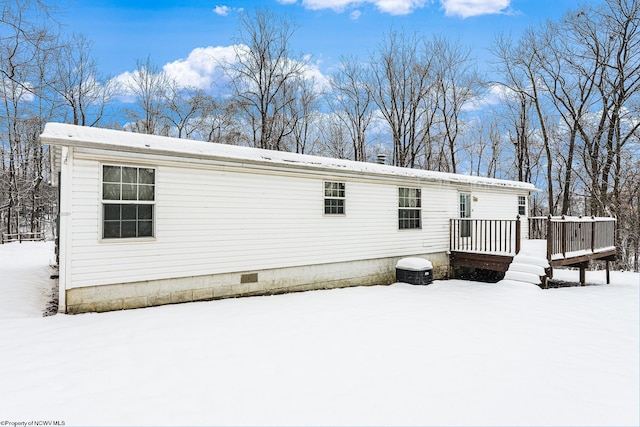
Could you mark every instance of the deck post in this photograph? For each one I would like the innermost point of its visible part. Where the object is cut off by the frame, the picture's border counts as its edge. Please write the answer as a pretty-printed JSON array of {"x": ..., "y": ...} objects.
[
  {"x": 593, "y": 234},
  {"x": 563, "y": 244},
  {"x": 608, "y": 277},
  {"x": 549, "y": 238},
  {"x": 518, "y": 232}
]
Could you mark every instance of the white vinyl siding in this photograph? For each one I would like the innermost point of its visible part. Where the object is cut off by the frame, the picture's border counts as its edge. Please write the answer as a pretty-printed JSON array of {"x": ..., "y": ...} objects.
[{"x": 211, "y": 220}]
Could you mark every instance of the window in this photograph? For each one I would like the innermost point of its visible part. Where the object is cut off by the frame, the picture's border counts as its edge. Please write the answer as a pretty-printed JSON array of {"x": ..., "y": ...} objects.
[
  {"x": 334, "y": 198},
  {"x": 128, "y": 195},
  {"x": 465, "y": 212},
  {"x": 522, "y": 205},
  {"x": 409, "y": 208}
]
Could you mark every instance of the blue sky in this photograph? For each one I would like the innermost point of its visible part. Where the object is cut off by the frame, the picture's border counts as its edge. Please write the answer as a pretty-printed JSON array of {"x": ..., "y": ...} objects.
[{"x": 123, "y": 31}]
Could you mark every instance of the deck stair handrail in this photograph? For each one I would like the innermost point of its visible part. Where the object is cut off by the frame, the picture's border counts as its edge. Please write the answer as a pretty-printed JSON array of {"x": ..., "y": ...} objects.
[
  {"x": 485, "y": 235},
  {"x": 569, "y": 236}
]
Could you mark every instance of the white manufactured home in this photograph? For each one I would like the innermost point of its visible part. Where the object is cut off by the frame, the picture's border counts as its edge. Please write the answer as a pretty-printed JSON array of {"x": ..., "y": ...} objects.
[{"x": 148, "y": 220}]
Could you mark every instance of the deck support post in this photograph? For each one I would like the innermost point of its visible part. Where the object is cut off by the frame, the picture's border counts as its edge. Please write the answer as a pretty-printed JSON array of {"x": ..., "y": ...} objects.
[
  {"x": 549, "y": 238},
  {"x": 583, "y": 269},
  {"x": 563, "y": 242},
  {"x": 518, "y": 234},
  {"x": 608, "y": 277}
]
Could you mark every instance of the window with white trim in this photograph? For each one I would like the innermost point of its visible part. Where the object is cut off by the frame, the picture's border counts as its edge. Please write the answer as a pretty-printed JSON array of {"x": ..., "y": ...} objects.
[
  {"x": 522, "y": 205},
  {"x": 334, "y": 198},
  {"x": 465, "y": 212},
  {"x": 128, "y": 201},
  {"x": 409, "y": 208}
]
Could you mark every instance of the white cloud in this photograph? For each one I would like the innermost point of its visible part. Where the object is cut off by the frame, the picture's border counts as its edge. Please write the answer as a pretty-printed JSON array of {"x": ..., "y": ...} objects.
[
  {"x": 311, "y": 71},
  {"x": 222, "y": 10},
  {"x": 202, "y": 67},
  {"x": 496, "y": 94},
  {"x": 462, "y": 8},
  {"x": 355, "y": 15},
  {"x": 467, "y": 8},
  {"x": 392, "y": 7}
]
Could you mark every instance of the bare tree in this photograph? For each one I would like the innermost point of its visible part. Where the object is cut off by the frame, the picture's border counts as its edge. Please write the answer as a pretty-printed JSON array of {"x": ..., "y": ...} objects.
[
  {"x": 84, "y": 90},
  {"x": 400, "y": 82},
  {"x": 302, "y": 113},
  {"x": 148, "y": 84},
  {"x": 352, "y": 102},
  {"x": 219, "y": 122},
  {"x": 25, "y": 44},
  {"x": 335, "y": 141},
  {"x": 183, "y": 108},
  {"x": 521, "y": 71},
  {"x": 457, "y": 83},
  {"x": 261, "y": 74}
]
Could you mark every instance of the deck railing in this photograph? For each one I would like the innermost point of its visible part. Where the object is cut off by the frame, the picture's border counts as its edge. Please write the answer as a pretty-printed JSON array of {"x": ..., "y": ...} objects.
[
  {"x": 573, "y": 235},
  {"x": 485, "y": 235},
  {"x": 21, "y": 237},
  {"x": 566, "y": 236}
]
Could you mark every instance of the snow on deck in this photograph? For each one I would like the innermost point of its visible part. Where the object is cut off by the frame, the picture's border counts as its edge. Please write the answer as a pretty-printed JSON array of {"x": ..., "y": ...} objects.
[{"x": 529, "y": 265}]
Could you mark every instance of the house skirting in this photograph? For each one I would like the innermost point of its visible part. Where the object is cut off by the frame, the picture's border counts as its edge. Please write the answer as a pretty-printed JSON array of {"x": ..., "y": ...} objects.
[{"x": 151, "y": 293}]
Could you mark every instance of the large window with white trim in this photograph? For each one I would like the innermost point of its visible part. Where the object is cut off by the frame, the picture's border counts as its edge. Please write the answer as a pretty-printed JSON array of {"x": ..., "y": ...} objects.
[
  {"x": 128, "y": 201},
  {"x": 409, "y": 208}
]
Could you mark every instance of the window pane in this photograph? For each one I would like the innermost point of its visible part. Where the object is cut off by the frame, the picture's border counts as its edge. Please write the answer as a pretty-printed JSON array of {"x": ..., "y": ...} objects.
[
  {"x": 111, "y": 173},
  {"x": 147, "y": 176},
  {"x": 111, "y": 191},
  {"x": 111, "y": 212},
  {"x": 145, "y": 228},
  {"x": 409, "y": 218},
  {"x": 111, "y": 229},
  {"x": 145, "y": 212},
  {"x": 331, "y": 189},
  {"x": 334, "y": 206},
  {"x": 129, "y": 192},
  {"x": 129, "y": 212},
  {"x": 128, "y": 229},
  {"x": 130, "y": 175},
  {"x": 145, "y": 192}
]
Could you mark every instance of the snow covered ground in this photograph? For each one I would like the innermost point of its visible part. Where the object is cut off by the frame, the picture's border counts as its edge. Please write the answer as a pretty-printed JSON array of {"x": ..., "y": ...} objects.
[{"x": 451, "y": 353}]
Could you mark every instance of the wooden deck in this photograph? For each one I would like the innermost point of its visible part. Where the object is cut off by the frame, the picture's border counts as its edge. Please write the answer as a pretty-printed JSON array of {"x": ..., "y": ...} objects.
[{"x": 491, "y": 244}]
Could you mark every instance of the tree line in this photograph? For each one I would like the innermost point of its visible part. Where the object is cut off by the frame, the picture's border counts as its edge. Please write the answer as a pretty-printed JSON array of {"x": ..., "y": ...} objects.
[{"x": 557, "y": 106}]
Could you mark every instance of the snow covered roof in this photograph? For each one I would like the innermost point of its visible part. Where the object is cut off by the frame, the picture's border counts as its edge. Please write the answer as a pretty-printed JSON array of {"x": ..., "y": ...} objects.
[{"x": 59, "y": 134}]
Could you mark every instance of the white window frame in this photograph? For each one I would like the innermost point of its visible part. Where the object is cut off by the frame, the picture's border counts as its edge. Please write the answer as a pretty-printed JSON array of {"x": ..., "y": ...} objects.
[
  {"x": 409, "y": 208},
  {"x": 464, "y": 208},
  {"x": 335, "y": 198},
  {"x": 123, "y": 202},
  {"x": 522, "y": 205}
]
